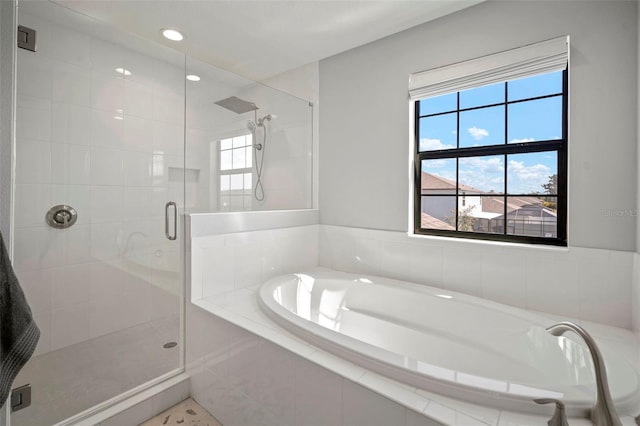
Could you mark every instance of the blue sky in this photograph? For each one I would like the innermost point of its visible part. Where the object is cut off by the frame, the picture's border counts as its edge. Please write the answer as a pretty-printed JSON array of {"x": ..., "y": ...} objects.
[{"x": 527, "y": 121}]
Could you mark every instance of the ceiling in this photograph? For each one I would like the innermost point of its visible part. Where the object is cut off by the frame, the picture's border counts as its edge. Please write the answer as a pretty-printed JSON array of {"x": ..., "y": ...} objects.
[{"x": 262, "y": 38}]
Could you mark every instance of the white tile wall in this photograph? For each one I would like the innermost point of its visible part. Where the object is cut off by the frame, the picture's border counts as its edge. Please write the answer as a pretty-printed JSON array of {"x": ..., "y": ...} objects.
[
  {"x": 225, "y": 262},
  {"x": 85, "y": 137},
  {"x": 363, "y": 407},
  {"x": 70, "y": 124},
  {"x": 245, "y": 380},
  {"x": 581, "y": 283},
  {"x": 321, "y": 403}
]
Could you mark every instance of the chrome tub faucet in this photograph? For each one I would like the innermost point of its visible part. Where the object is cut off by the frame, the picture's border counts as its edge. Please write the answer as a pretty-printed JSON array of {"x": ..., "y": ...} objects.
[{"x": 603, "y": 412}]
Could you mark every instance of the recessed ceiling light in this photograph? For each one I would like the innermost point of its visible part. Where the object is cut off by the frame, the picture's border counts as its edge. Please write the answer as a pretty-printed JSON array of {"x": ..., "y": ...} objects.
[
  {"x": 123, "y": 71},
  {"x": 193, "y": 77},
  {"x": 172, "y": 34}
]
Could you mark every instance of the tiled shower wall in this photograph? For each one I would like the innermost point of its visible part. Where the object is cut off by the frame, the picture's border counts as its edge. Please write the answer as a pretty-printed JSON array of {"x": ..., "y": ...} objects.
[{"x": 103, "y": 143}]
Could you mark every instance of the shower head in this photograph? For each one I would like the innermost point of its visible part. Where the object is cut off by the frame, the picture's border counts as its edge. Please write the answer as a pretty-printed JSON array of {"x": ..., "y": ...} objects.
[
  {"x": 268, "y": 117},
  {"x": 237, "y": 105},
  {"x": 251, "y": 125}
]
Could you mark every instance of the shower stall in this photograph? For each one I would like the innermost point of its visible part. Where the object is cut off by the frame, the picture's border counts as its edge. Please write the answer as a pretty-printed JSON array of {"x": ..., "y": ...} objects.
[
  {"x": 116, "y": 140},
  {"x": 252, "y": 144}
]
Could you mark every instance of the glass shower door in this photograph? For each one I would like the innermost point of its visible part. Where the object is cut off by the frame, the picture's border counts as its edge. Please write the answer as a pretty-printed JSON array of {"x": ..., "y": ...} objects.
[{"x": 100, "y": 143}]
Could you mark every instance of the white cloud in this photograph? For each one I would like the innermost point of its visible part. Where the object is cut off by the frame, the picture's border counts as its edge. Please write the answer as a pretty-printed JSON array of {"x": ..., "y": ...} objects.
[
  {"x": 478, "y": 133},
  {"x": 441, "y": 163},
  {"x": 427, "y": 144},
  {"x": 486, "y": 165},
  {"x": 527, "y": 179},
  {"x": 486, "y": 174},
  {"x": 518, "y": 140}
]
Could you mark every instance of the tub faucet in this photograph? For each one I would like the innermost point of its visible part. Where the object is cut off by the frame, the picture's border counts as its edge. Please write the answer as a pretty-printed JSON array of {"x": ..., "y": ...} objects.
[
  {"x": 559, "y": 416},
  {"x": 603, "y": 412}
]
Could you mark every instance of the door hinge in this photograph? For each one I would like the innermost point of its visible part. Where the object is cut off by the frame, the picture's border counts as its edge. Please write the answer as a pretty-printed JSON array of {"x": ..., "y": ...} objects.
[
  {"x": 20, "y": 398},
  {"x": 26, "y": 38}
]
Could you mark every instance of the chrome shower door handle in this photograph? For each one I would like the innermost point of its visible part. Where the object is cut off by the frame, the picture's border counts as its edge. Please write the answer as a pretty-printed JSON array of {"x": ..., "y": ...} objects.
[{"x": 175, "y": 220}]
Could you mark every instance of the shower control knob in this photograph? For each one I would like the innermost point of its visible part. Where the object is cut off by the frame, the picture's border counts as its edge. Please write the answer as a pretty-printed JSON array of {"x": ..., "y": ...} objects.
[{"x": 61, "y": 216}]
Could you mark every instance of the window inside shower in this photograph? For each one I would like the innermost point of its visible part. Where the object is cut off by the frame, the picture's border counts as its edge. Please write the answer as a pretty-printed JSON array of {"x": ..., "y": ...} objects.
[{"x": 235, "y": 173}]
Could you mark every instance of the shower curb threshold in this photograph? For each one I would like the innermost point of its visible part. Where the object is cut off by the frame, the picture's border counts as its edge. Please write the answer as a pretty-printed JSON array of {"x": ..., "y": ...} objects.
[{"x": 128, "y": 403}]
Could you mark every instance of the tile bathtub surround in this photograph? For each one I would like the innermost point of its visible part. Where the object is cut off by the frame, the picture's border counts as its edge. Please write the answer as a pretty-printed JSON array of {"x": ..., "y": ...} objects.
[
  {"x": 244, "y": 367},
  {"x": 581, "y": 283},
  {"x": 225, "y": 262},
  {"x": 247, "y": 370},
  {"x": 244, "y": 379}
]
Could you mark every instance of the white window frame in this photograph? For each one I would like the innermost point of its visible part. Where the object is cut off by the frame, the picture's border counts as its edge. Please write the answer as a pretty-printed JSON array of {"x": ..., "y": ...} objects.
[{"x": 246, "y": 192}]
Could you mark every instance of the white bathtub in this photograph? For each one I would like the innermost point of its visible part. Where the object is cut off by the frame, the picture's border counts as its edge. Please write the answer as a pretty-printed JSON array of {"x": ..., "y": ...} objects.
[{"x": 449, "y": 343}]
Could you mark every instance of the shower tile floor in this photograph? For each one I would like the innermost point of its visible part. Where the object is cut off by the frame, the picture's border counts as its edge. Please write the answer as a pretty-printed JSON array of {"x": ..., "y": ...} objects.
[
  {"x": 72, "y": 379},
  {"x": 188, "y": 412}
]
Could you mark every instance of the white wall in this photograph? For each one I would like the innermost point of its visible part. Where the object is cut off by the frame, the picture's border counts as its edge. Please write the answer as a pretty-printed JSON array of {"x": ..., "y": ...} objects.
[{"x": 364, "y": 118}]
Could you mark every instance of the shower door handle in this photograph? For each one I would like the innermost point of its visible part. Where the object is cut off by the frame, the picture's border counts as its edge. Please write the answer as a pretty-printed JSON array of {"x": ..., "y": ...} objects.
[{"x": 175, "y": 220}]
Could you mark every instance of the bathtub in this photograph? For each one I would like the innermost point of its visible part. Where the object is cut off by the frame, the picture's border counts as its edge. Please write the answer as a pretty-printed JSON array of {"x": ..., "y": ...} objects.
[{"x": 448, "y": 343}]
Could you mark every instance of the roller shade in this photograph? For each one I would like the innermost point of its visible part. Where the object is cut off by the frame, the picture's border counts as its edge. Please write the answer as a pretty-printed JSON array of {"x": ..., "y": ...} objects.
[{"x": 547, "y": 56}]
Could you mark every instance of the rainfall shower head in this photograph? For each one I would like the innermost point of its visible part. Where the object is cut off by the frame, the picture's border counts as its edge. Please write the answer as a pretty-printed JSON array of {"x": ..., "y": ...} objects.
[{"x": 237, "y": 105}]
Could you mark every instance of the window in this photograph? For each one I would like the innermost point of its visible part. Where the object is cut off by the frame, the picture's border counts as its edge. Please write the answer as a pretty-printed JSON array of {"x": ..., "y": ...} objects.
[
  {"x": 236, "y": 157},
  {"x": 490, "y": 160}
]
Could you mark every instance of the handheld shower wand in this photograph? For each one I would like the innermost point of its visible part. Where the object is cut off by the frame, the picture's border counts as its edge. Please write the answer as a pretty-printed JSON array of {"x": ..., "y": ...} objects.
[{"x": 253, "y": 126}]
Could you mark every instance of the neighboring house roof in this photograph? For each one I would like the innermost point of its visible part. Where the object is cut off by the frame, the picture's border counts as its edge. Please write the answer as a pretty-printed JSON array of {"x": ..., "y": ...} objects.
[
  {"x": 496, "y": 205},
  {"x": 524, "y": 206},
  {"x": 432, "y": 182},
  {"x": 484, "y": 215},
  {"x": 431, "y": 222}
]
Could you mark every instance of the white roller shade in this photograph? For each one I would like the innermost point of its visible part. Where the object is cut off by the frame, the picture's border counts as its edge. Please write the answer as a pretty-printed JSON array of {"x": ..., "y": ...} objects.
[{"x": 547, "y": 56}]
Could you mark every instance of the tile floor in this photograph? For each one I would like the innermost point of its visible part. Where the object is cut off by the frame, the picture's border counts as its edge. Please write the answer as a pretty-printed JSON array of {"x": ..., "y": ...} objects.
[
  {"x": 72, "y": 379},
  {"x": 188, "y": 412}
]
